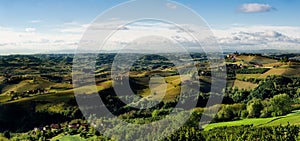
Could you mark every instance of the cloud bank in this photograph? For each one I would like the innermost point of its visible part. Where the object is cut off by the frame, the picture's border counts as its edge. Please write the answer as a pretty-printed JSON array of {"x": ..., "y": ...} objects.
[
  {"x": 67, "y": 37},
  {"x": 255, "y": 8}
]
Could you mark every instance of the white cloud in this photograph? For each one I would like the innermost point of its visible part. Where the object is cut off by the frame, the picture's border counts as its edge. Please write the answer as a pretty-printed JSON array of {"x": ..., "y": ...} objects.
[
  {"x": 236, "y": 37},
  {"x": 255, "y": 8},
  {"x": 171, "y": 5},
  {"x": 72, "y": 28},
  {"x": 14, "y": 41},
  {"x": 68, "y": 36},
  {"x": 30, "y": 29},
  {"x": 259, "y": 37},
  {"x": 35, "y": 21},
  {"x": 293, "y": 31}
]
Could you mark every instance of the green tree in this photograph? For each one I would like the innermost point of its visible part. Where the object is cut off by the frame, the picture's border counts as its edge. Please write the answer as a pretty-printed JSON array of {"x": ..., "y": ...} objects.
[
  {"x": 6, "y": 134},
  {"x": 225, "y": 113},
  {"x": 254, "y": 107},
  {"x": 280, "y": 105}
]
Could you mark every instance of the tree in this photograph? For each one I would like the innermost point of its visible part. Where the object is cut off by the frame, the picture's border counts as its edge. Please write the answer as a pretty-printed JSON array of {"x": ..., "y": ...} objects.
[
  {"x": 6, "y": 134},
  {"x": 280, "y": 105},
  {"x": 244, "y": 114},
  {"x": 284, "y": 59},
  {"x": 225, "y": 113},
  {"x": 254, "y": 107},
  {"x": 298, "y": 92}
]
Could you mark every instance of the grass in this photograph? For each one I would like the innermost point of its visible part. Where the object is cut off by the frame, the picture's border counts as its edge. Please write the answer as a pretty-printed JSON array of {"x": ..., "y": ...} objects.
[
  {"x": 16, "y": 87},
  {"x": 54, "y": 98},
  {"x": 62, "y": 86},
  {"x": 254, "y": 121},
  {"x": 58, "y": 96},
  {"x": 293, "y": 119},
  {"x": 176, "y": 79},
  {"x": 168, "y": 95},
  {"x": 67, "y": 138},
  {"x": 229, "y": 83},
  {"x": 1, "y": 78},
  {"x": 27, "y": 85},
  {"x": 172, "y": 89},
  {"x": 256, "y": 59},
  {"x": 285, "y": 71},
  {"x": 244, "y": 85},
  {"x": 281, "y": 71},
  {"x": 4, "y": 98},
  {"x": 171, "y": 94},
  {"x": 89, "y": 89},
  {"x": 271, "y": 65},
  {"x": 247, "y": 76},
  {"x": 292, "y": 72},
  {"x": 170, "y": 79}
]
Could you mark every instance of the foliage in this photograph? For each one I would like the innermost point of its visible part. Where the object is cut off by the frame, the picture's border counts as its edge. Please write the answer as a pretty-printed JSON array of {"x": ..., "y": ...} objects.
[
  {"x": 254, "y": 108},
  {"x": 250, "y": 133},
  {"x": 6, "y": 134},
  {"x": 252, "y": 71},
  {"x": 280, "y": 105},
  {"x": 186, "y": 133}
]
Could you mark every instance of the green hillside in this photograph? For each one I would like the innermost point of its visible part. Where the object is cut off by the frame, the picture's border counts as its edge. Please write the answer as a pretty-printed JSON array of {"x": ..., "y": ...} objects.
[{"x": 293, "y": 119}]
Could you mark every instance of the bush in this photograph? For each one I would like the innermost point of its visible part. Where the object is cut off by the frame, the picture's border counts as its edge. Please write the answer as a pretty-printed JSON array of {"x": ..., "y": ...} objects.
[
  {"x": 6, "y": 134},
  {"x": 244, "y": 114},
  {"x": 280, "y": 105},
  {"x": 251, "y": 133},
  {"x": 225, "y": 114},
  {"x": 254, "y": 108}
]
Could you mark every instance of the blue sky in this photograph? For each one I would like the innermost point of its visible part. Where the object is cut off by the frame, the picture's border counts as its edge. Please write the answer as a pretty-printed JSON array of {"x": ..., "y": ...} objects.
[
  {"x": 53, "y": 17},
  {"x": 18, "y": 13}
]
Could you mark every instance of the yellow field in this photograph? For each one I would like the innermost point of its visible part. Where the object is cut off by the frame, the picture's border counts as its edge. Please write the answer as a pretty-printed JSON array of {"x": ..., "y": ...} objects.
[
  {"x": 269, "y": 65},
  {"x": 167, "y": 91},
  {"x": 247, "y": 76},
  {"x": 256, "y": 59},
  {"x": 4, "y": 98},
  {"x": 244, "y": 85},
  {"x": 89, "y": 89},
  {"x": 1, "y": 78},
  {"x": 27, "y": 85},
  {"x": 281, "y": 71}
]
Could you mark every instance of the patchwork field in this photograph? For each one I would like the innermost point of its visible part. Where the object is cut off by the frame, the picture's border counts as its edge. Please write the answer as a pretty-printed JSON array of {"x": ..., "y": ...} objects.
[
  {"x": 247, "y": 76},
  {"x": 167, "y": 92},
  {"x": 256, "y": 59},
  {"x": 244, "y": 85},
  {"x": 281, "y": 71}
]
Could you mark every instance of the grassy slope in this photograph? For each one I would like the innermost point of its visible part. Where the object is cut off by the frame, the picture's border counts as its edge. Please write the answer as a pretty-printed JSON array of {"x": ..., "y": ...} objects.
[
  {"x": 293, "y": 119},
  {"x": 244, "y": 85},
  {"x": 285, "y": 71},
  {"x": 26, "y": 85},
  {"x": 256, "y": 59},
  {"x": 59, "y": 96},
  {"x": 281, "y": 71},
  {"x": 4, "y": 98},
  {"x": 89, "y": 89},
  {"x": 173, "y": 89},
  {"x": 67, "y": 138}
]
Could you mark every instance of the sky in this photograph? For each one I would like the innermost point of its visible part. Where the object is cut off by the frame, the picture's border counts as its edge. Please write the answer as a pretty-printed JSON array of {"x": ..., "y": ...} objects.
[{"x": 42, "y": 26}]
